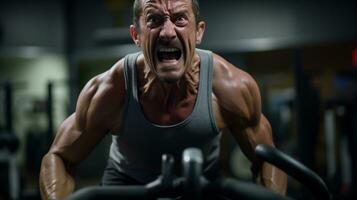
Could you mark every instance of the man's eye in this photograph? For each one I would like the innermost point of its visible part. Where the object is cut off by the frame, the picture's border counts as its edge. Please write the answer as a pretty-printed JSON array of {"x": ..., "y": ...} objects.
[
  {"x": 153, "y": 20},
  {"x": 181, "y": 20}
]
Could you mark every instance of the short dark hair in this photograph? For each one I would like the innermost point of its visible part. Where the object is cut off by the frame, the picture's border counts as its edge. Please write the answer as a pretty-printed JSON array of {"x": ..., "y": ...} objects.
[{"x": 137, "y": 9}]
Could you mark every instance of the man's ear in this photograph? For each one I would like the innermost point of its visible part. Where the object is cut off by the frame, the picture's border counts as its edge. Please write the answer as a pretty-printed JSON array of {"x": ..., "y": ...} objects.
[
  {"x": 200, "y": 31},
  {"x": 135, "y": 35}
]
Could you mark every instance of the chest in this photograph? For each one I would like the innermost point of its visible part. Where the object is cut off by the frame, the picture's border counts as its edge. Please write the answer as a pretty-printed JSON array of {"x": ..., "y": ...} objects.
[
  {"x": 167, "y": 112},
  {"x": 161, "y": 114}
]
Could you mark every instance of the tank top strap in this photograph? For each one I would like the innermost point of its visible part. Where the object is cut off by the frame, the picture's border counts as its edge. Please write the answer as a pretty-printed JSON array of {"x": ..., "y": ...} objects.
[
  {"x": 129, "y": 76},
  {"x": 206, "y": 59}
]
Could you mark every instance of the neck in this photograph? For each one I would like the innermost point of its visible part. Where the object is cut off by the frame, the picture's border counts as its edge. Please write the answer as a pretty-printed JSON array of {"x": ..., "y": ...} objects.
[{"x": 170, "y": 93}]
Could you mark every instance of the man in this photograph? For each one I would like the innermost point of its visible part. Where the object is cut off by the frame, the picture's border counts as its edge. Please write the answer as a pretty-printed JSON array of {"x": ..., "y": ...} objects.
[{"x": 164, "y": 99}]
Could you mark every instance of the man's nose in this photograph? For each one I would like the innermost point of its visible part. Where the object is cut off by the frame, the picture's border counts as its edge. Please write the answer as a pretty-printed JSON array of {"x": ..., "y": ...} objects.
[{"x": 168, "y": 31}]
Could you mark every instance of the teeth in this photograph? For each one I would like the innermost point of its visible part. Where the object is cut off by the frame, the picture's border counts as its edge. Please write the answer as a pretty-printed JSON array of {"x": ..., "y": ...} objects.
[{"x": 168, "y": 50}]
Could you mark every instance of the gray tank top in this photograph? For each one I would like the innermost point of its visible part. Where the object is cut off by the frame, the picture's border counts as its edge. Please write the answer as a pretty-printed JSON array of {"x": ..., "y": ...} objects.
[{"x": 138, "y": 148}]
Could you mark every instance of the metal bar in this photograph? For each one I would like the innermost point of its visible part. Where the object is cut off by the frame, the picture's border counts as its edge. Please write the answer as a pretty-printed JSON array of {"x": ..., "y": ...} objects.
[
  {"x": 8, "y": 107},
  {"x": 330, "y": 139}
]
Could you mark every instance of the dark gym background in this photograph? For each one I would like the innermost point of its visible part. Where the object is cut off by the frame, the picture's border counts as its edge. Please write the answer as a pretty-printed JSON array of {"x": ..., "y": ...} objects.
[{"x": 302, "y": 53}]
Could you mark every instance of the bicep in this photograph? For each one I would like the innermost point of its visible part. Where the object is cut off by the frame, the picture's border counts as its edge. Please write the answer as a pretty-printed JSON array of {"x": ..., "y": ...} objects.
[
  {"x": 239, "y": 100},
  {"x": 73, "y": 144},
  {"x": 245, "y": 120},
  {"x": 249, "y": 137},
  {"x": 81, "y": 131}
]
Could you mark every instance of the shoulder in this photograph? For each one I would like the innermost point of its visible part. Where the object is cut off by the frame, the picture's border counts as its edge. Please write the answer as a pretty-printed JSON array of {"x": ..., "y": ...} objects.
[
  {"x": 103, "y": 95},
  {"x": 226, "y": 76},
  {"x": 236, "y": 90},
  {"x": 106, "y": 81}
]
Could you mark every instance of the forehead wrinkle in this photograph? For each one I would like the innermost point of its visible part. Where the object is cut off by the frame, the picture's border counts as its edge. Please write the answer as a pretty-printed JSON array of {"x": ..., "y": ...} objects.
[
  {"x": 168, "y": 6},
  {"x": 149, "y": 3},
  {"x": 152, "y": 5},
  {"x": 177, "y": 6}
]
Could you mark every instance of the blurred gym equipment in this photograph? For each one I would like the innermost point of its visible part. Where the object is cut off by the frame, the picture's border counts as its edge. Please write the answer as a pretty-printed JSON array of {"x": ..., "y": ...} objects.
[{"x": 9, "y": 143}]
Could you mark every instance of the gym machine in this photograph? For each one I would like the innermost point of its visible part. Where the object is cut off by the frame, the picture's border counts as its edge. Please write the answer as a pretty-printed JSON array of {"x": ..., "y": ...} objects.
[
  {"x": 192, "y": 185},
  {"x": 9, "y": 143}
]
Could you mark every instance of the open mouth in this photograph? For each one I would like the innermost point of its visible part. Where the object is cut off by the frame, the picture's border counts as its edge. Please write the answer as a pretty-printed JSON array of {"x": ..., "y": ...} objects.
[{"x": 166, "y": 53}]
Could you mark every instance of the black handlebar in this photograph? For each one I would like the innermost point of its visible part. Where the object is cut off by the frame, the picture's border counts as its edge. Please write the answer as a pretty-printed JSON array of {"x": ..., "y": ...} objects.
[
  {"x": 239, "y": 190},
  {"x": 192, "y": 185},
  {"x": 295, "y": 169},
  {"x": 167, "y": 171},
  {"x": 111, "y": 192},
  {"x": 192, "y": 161}
]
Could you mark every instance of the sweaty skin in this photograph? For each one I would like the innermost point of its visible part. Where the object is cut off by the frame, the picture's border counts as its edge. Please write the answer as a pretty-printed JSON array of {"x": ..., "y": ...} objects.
[
  {"x": 167, "y": 93},
  {"x": 237, "y": 107}
]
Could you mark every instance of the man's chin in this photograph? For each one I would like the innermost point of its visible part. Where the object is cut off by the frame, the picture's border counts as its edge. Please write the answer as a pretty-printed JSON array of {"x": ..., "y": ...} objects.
[{"x": 169, "y": 77}]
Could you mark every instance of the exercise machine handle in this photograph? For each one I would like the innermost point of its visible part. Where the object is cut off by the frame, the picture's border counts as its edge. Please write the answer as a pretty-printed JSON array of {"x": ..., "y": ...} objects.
[
  {"x": 295, "y": 169},
  {"x": 237, "y": 190},
  {"x": 110, "y": 192},
  {"x": 192, "y": 161}
]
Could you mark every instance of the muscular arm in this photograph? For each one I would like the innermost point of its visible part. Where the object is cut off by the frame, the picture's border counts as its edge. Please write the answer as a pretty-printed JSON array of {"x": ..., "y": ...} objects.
[
  {"x": 239, "y": 100},
  {"x": 97, "y": 113}
]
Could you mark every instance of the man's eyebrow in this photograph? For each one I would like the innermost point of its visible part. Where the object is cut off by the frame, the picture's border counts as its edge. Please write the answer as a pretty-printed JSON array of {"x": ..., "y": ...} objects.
[
  {"x": 180, "y": 11},
  {"x": 149, "y": 6},
  {"x": 152, "y": 11}
]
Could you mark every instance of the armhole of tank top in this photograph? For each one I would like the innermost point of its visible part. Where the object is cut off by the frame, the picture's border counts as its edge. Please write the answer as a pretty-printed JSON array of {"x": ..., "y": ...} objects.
[
  {"x": 127, "y": 85},
  {"x": 210, "y": 71}
]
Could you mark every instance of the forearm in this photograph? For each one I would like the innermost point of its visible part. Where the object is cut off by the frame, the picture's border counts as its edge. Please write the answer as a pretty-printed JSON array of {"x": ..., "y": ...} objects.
[
  {"x": 55, "y": 181},
  {"x": 273, "y": 178}
]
